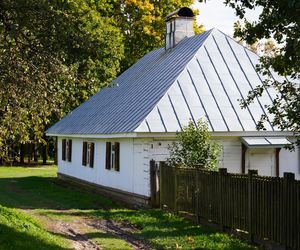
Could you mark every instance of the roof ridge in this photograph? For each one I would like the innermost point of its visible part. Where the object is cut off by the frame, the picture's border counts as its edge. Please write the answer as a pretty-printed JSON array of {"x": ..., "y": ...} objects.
[
  {"x": 208, "y": 32},
  {"x": 231, "y": 38}
]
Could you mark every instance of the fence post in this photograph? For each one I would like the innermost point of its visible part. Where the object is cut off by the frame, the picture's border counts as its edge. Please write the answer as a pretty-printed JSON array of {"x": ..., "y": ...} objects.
[
  {"x": 222, "y": 173},
  {"x": 152, "y": 183},
  {"x": 197, "y": 195},
  {"x": 157, "y": 181},
  {"x": 251, "y": 173},
  {"x": 161, "y": 165},
  {"x": 288, "y": 179},
  {"x": 175, "y": 190}
]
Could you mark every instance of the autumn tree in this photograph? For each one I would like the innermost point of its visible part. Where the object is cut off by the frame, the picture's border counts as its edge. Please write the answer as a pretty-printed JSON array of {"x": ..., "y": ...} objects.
[
  {"x": 142, "y": 24},
  {"x": 266, "y": 48},
  {"x": 279, "y": 20}
]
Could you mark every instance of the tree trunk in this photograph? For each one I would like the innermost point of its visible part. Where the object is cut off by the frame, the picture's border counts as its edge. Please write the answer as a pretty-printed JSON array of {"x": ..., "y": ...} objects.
[
  {"x": 29, "y": 152},
  {"x": 14, "y": 153},
  {"x": 44, "y": 153},
  {"x": 35, "y": 152},
  {"x": 22, "y": 153}
]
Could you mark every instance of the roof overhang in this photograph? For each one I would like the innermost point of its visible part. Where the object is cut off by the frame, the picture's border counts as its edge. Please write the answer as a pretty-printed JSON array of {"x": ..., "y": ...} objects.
[
  {"x": 265, "y": 142},
  {"x": 172, "y": 135},
  {"x": 99, "y": 136}
]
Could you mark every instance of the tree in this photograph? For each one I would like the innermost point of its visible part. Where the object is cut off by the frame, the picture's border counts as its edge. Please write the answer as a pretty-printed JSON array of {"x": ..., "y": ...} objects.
[
  {"x": 264, "y": 48},
  {"x": 194, "y": 148},
  {"x": 53, "y": 56},
  {"x": 143, "y": 25},
  {"x": 280, "y": 20},
  {"x": 56, "y": 54}
]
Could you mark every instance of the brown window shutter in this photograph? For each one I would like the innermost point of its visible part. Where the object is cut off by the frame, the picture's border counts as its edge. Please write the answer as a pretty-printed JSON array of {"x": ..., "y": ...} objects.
[
  {"x": 108, "y": 155},
  {"x": 92, "y": 155},
  {"x": 84, "y": 152},
  {"x": 117, "y": 156},
  {"x": 63, "y": 150},
  {"x": 70, "y": 151}
]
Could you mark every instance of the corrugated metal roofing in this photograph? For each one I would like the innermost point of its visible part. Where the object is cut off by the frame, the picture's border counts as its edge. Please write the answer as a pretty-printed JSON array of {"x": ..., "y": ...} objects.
[{"x": 202, "y": 77}]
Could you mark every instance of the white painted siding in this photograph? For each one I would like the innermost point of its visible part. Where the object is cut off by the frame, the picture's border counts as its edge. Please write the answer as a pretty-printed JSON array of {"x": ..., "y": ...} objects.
[
  {"x": 289, "y": 162},
  {"x": 141, "y": 169},
  {"x": 231, "y": 156},
  {"x": 262, "y": 160},
  {"x": 75, "y": 168},
  {"x": 135, "y": 155},
  {"x": 131, "y": 176},
  {"x": 159, "y": 149},
  {"x": 122, "y": 179}
]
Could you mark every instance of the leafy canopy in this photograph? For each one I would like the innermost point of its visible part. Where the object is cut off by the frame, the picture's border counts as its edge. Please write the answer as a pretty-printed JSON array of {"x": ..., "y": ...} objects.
[
  {"x": 280, "y": 20},
  {"x": 56, "y": 54},
  {"x": 194, "y": 148},
  {"x": 53, "y": 56}
]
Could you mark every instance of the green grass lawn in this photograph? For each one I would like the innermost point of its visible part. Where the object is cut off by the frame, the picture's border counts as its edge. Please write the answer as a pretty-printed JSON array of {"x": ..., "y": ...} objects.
[
  {"x": 19, "y": 231},
  {"x": 36, "y": 192}
]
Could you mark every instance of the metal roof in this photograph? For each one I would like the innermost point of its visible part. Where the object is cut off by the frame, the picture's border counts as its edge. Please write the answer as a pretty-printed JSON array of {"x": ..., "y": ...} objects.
[
  {"x": 265, "y": 142},
  {"x": 204, "y": 76}
]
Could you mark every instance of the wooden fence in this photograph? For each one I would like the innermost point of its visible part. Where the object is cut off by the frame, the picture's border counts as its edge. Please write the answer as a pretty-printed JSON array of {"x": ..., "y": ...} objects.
[{"x": 263, "y": 207}]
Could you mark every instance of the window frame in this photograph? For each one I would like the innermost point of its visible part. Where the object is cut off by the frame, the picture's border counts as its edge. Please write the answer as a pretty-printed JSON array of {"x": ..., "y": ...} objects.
[
  {"x": 112, "y": 161},
  {"x": 66, "y": 150},
  {"x": 88, "y": 154},
  {"x": 69, "y": 150}
]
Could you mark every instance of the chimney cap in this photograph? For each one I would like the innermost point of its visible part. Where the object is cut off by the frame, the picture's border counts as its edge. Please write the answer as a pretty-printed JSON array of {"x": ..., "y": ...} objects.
[{"x": 182, "y": 12}]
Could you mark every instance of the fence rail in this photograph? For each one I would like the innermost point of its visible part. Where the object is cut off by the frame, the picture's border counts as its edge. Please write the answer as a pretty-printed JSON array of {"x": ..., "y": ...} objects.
[{"x": 264, "y": 207}]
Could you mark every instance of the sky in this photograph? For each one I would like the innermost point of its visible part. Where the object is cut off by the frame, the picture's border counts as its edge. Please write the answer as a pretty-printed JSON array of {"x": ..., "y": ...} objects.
[{"x": 214, "y": 14}]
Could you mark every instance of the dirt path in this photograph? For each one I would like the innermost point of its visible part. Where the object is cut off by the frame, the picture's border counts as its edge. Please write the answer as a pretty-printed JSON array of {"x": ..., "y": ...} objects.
[
  {"x": 70, "y": 231},
  {"x": 75, "y": 231},
  {"x": 121, "y": 230}
]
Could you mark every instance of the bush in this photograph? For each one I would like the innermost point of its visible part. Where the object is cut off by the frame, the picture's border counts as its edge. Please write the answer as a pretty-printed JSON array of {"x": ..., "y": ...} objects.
[{"x": 194, "y": 148}]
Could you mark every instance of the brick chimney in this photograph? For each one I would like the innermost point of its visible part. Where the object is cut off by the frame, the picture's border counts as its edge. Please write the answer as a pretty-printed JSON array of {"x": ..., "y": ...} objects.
[{"x": 179, "y": 25}]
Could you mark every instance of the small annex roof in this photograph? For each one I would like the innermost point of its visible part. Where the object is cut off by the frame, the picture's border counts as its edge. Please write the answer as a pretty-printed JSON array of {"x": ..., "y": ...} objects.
[
  {"x": 265, "y": 142},
  {"x": 204, "y": 76}
]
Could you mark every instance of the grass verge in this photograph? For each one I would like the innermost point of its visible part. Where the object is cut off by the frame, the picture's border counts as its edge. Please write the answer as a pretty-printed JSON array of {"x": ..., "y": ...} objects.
[
  {"x": 19, "y": 231},
  {"x": 38, "y": 191}
]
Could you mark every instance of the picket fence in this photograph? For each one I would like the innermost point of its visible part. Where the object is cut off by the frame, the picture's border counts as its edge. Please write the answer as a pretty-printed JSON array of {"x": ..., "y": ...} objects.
[{"x": 261, "y": 207}]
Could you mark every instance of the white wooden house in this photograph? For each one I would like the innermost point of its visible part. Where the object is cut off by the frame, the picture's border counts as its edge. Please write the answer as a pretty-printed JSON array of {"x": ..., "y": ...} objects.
[{"x": 110, "y": 139}]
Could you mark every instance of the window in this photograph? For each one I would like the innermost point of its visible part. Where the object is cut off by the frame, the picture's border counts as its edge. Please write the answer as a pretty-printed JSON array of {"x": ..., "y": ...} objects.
[
  {"x": 88, "y": 150},
  {"x": 113, "y": 156},
  {"x": 66, "y": 150}
]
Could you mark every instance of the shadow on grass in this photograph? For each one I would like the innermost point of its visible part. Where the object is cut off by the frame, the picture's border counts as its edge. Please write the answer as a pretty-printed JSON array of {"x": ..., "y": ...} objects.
[
  {"x": 11, "y": 239},
  {"x": 48, "y": 193},
  {"x": 159, "y": 227}
]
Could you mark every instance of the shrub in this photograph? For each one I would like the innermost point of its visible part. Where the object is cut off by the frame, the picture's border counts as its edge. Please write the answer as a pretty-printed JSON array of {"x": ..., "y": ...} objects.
[{"x": 194, "y": 148}]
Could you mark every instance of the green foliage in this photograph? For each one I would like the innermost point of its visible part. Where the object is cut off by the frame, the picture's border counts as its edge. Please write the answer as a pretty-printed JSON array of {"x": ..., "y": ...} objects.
[
  {"x": 280, "y": 20},
  {"x": 56, "y": 54},
  {"x": 194, "y": 148},
  {"x": 53, "y": 56}
]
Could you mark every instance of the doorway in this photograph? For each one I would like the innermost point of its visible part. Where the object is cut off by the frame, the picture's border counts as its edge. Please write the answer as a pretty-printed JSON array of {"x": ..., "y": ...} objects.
[{"x": 262, "y": 160}]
